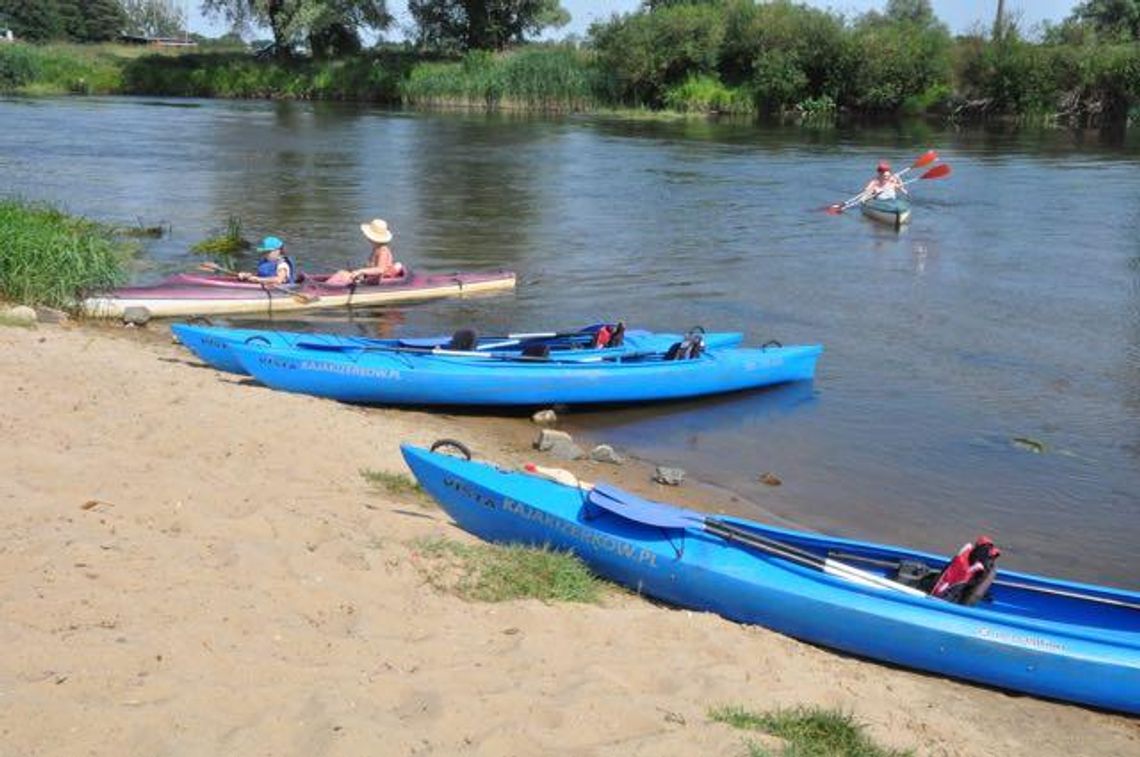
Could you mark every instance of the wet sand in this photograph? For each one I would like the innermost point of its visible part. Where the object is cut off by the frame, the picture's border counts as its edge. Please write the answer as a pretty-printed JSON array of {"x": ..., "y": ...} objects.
[{"x": 193, "y": 564}]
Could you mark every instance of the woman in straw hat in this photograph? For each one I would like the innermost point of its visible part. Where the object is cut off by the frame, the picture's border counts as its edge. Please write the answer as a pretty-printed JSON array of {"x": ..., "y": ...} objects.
[{"x": 380, "y": 265}]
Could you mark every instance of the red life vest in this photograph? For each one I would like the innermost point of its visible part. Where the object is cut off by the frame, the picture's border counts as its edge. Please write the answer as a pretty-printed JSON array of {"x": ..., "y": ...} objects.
[{"x": 968, "y": 575}]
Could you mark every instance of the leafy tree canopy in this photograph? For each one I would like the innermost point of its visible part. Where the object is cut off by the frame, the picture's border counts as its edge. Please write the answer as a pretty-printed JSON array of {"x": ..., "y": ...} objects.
[
  {"x": 153, "y": 18},
  {"x": 483, "y": 24},
  {"x": 330, "y": 26},
  {"x": 77, "y": 20},
  {"x": 1113, "y": 19}
]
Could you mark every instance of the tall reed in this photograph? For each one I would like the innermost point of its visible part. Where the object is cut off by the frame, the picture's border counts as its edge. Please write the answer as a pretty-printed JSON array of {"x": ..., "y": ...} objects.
[
  {"x": 539, "y": 77},
  {"x": 50, "y": 258}
]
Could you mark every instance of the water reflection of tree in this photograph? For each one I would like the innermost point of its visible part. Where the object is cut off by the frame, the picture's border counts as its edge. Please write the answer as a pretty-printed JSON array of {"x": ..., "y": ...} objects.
[
  {"x": 291, "y": 170},
  {"x": 477, "y": 185}
]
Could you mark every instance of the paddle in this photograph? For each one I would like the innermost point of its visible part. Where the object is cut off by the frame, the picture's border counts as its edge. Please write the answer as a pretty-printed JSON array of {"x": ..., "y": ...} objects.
[
  {"x": 566, "y": 357},
  {"x": 938, "y": 172},
  {"x": 921, "y": 161},
  {"x": 298, "y": 296},
  {"x": 653, "y": 513},
  {"x": 894, "y": 565}
]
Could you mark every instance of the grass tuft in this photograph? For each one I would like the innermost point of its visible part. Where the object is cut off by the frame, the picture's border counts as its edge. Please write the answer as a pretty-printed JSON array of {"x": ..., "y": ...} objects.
[
  {"x": 54, "y": 259},
  {"x": 807, "y": 731},
  {"x": 393, "y": 483},
  {"x": 226, "y": 247},
  {"x": 495, "y": 573}
]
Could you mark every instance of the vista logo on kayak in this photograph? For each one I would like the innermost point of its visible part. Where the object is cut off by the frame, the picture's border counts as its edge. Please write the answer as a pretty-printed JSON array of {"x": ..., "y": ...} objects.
[{"x": 469, "y": 492}]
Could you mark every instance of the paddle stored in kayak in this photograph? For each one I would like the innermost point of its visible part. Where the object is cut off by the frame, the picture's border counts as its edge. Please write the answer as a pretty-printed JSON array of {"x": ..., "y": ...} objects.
[
  {"x": 213, "y": 343},
  {"x": 1042, "y": 636}
]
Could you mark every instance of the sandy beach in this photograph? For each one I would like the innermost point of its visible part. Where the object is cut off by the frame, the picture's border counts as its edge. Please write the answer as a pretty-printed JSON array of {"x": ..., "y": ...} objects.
[{"x": 193, "y": 564}]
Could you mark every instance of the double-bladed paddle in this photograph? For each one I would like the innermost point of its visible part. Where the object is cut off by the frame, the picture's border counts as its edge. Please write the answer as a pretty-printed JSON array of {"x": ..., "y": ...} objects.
[
  {"x": 298, "y": 296},
  {"x": 921, "y": 161}
]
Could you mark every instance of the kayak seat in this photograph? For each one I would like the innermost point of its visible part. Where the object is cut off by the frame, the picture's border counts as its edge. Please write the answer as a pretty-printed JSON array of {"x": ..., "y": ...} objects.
[
  {"x": 463, "y": 340},
  {"x": 686, "y": 349},
  {"x": 536, "y": 351}
]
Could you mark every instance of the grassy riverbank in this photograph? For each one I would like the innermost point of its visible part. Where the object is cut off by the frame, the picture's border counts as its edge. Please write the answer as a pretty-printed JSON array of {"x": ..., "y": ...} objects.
[
  {"x": 816, "y": 67},
  {"x": 49, "y": 258}
]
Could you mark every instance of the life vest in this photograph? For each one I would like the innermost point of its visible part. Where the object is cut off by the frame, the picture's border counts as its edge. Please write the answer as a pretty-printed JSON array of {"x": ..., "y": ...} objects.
[
  {"x": 268, "y": 268},
  {"x": 969, "y": 574},
  {"x": 609, "y": 335}
]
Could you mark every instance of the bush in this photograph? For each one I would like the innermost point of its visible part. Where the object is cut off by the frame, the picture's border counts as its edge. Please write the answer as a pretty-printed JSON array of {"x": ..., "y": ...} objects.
[
  {"x": 706, "y": 94},
  {"x": 19, "y": 66},
  {"x": 644, "y": 54}
]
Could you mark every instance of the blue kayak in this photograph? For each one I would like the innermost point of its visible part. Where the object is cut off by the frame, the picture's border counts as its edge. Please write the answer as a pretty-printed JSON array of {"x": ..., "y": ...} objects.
[
  {"x": 894, "y": 212},
  {"x": 1042, "y": 636},
  {"x": 212, "y": 343},
  {"x": 401, "y": 377}
]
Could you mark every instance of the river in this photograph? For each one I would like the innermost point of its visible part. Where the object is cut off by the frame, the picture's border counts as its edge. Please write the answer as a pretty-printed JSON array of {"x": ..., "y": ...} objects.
[{"x": 981, "y": 370}]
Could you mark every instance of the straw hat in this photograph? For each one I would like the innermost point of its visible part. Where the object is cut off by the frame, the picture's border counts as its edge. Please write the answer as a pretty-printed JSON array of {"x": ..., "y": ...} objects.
[{"x": 377, "y": 231}]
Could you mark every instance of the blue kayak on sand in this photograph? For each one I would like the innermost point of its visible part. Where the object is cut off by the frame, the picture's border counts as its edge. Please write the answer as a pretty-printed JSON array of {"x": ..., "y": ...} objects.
[
  {"x": 400, "y": 377},
  {"x": 212, "y": 343},
  {"x": 1037, "y": 635}
]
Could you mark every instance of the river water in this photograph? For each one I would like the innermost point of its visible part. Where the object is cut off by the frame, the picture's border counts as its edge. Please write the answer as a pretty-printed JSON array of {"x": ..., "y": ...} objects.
[{"x": 1009, "y": 309}]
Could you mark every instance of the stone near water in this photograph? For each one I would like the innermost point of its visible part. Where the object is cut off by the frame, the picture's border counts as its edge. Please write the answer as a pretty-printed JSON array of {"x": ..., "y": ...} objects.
[
  {"x": 51, "y": 315},
  {"x": 669, "y": 476},
  {"x": 567, "y": 451},
  {"x": 771, "y": 479},
  {"x": 136, "y": 316},
  {"x": 547, "y": 437},
  {"x": 21, "y": 315},
  {"x": 558, "y": 443},
  {"x": 604, "y": 453},
  {"x": 545, "y": 417}
]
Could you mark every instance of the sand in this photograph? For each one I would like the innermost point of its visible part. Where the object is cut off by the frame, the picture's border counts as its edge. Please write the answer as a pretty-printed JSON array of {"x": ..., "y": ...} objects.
[{"x": 191, "y": 564}]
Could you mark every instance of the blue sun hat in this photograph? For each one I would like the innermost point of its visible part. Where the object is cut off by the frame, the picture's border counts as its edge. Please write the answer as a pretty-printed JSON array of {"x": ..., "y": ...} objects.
[{"x": 269, "y": 244}]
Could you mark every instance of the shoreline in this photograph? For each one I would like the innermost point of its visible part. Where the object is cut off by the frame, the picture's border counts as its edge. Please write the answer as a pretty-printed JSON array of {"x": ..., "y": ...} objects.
[{"x": 192, "y": 562}]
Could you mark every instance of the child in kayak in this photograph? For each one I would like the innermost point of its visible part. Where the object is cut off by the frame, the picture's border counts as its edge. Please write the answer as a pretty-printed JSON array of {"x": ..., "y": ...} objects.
[
  {"x": 885, "y": 185},
  {"x": 381, "y": 264},
  {"x": 275, "y": 266}
]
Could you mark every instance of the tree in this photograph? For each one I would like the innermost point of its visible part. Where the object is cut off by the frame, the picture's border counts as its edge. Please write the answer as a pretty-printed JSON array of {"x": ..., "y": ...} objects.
[
  {"x": 32, "y": 21},
  {"x": 153, "y": 18},
  {"x": 1114, "y": 19},
  {"x": 103, "y": 20},
  {"x": 79, "y": 20},
  {"x": 292, "y": 21},
  {"x": 483, "y": 24}
]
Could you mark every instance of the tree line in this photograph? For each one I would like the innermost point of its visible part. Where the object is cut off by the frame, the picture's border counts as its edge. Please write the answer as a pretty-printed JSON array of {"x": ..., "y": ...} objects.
[{"x": 707, "y": 55}]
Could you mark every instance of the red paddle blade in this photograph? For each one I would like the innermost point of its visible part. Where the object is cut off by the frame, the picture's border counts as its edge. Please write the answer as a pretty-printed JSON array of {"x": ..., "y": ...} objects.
[
  {"x": 834, "y": 210},
  {"x": 937, "y": 172},
  {"x": 925, "y": 159}
]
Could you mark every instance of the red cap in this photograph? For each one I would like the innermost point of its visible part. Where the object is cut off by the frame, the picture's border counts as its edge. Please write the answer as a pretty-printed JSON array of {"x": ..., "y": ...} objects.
[{"x": 884, "y": 166}]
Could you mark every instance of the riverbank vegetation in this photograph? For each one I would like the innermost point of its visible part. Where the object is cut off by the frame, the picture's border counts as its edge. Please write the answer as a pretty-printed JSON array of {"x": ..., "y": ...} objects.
[
  {"x": 702, "y": 56},
  {"x": 51, "y": 258}
]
